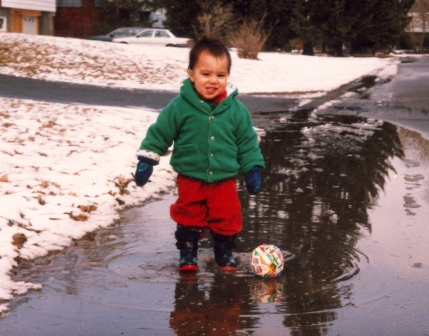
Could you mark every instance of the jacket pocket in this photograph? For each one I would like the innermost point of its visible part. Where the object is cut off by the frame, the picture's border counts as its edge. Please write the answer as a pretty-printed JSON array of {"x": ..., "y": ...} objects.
[
  {"x": 186, "y": 158},
  {"x": 226, "y": 160}
]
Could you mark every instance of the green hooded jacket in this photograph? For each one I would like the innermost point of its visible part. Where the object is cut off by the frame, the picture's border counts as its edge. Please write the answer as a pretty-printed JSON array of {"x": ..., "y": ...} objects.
[{"x": 209, "y": 145}]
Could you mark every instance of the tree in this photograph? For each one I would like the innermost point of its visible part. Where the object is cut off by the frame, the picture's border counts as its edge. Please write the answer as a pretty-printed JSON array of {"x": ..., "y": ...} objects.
[
  {"x": 180, "y": 16},
  {"x": 276, "y": 14},
  {"x": 128, "y": 4},
  {"x": 253, "y": 27},
  {"x": 304, "y": 23},
  {"x": 360, "y": 25},
  {"x": 214, "y": 20},
  {"x": 119, "y": 13},
  {"x": 334, "y": 25},
  {"x": 377, "y": 24}
]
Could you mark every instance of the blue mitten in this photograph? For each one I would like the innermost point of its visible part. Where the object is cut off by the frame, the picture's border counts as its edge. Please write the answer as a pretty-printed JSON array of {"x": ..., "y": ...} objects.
[
  {"x": 253, "y": 180},
  {"x": 144, "y": 170}
]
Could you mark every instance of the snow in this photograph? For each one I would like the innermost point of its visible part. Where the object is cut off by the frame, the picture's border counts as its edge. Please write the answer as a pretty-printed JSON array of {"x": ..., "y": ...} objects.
[
  {"x": 66, "y": 170},
  {"x": 160, "y": 68}
]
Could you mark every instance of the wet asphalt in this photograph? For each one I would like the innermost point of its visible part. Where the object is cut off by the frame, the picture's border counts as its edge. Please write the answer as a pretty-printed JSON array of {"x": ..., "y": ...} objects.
[
  {"x": 402, "y": 101},
  {"x": 60, "y": 92}
]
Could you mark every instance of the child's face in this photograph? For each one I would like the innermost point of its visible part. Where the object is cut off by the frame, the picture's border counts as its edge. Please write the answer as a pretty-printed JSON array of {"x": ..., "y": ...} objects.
[{"x": 209, "y": 75}]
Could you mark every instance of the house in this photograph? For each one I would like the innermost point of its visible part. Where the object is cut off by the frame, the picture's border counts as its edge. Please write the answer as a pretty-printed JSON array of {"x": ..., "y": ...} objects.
[
  {"x": 83, "y": 18},
  {"x": 158, "y": 17},
  {"x": 419, "y": 23},
  {"x": 418, "y": 28},
  {"x": 27, "y": 16}
]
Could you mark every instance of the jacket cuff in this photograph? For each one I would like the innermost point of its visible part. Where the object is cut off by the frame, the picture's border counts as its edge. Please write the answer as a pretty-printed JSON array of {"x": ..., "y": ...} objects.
[{"x": 148, "y": 157}]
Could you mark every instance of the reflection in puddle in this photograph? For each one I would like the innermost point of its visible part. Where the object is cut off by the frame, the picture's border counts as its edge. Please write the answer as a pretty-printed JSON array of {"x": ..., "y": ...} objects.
[
  {"x": 329, "y": 188},
  {"x": 417, "y": 156},
  {"x": 320, "y": 181}
]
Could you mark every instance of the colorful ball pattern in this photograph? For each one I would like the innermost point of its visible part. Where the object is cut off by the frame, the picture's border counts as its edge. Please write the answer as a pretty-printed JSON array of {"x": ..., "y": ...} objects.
[
  {"x": 266, "y": 290},
  {"x": 267, "y": 261}
]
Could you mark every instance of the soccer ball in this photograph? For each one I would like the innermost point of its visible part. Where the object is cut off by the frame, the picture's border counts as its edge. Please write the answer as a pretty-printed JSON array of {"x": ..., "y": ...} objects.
[
  {"x": 267, "y": 261},
  {"x": 266, "y": 290}
]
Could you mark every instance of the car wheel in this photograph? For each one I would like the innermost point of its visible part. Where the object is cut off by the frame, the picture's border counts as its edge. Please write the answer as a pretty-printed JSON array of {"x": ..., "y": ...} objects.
[
  {"x": 123, "y": 42},
  {"x": 170, "y": 45}
]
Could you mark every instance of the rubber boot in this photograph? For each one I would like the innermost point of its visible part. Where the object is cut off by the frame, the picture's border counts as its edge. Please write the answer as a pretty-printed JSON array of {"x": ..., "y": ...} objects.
[
  {"x": 187, "y": 242},
  {"x": 223, "y": 246}
]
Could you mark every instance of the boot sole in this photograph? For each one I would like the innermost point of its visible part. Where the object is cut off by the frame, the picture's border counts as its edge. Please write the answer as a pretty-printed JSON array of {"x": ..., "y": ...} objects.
[
  {"x": 188, "y": 268},
  {"x": 227, "y": 268}
]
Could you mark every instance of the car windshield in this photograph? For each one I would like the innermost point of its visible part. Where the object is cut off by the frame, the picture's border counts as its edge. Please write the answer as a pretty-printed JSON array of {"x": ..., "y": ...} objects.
[{"x": 126, "y": 32}]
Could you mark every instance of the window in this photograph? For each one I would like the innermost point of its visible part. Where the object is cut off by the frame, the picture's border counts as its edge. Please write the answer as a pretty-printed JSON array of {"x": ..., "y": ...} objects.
[
  {"x": 146, "y": 33},
  {"x": 69, "y": 3},
  {"x": 161, "y": 33},
  {"x": 3, "y": 23}
]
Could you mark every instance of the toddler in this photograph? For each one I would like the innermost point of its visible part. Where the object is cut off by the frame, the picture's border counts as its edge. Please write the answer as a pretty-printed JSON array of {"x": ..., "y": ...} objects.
[{"x": 214, "y": 140}]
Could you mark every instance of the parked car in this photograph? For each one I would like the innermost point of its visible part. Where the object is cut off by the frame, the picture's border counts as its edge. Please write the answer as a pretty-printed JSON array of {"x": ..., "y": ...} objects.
[
  {"x": 120, "y": 32},
  {"x": 153, "y": 36}
]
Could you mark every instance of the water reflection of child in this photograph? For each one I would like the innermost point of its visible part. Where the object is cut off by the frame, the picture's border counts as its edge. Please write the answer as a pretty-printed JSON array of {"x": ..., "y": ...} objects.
[
  {"x": 199, "y": 311},
  {"x": 213, "y": 139}
]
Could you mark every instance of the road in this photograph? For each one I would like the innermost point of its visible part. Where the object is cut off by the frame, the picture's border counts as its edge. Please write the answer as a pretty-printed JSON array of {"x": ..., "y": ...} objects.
[
  {"x": 60, "y": 92},
  {"x": 402, "y": 101}
]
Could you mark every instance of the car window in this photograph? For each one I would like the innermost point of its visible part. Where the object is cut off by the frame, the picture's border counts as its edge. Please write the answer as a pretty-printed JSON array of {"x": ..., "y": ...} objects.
[
  {"x": 119, "y": 32},
  {"x": 146, "y": 33},
  {"x": 133, "y": 32},
  {"x": 126, "y": 32},
  {"x": 161, "y": 33}
]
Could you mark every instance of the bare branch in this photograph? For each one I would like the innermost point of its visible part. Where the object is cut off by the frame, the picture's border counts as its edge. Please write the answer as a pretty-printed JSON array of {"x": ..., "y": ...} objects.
[
  {"x": 250, "y": 38},
  {"x": 215, "y": 20}
]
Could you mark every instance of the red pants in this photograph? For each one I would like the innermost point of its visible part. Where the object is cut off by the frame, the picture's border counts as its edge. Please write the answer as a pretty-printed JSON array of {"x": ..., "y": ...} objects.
[{"x": 214, "y": 206}]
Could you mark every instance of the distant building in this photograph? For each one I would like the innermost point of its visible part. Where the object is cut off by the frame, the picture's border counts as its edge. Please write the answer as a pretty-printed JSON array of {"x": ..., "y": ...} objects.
[
  {"x": 418, "y": 29},
  {"x": 419, "y": 23},
  {"x": 72, "y": 18},
  {"x": 83, "y": 18},
  {"x": 27, "y": 16},
  {"x": 158, "y": 18}
]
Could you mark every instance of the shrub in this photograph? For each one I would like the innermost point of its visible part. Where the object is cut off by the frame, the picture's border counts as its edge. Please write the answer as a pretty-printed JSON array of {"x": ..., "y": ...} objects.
[{"x": 249, "y": 39}]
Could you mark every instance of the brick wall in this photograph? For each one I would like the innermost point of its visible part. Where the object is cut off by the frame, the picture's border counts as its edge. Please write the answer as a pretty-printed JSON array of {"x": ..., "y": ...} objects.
[
  {"x": 83, "y": 21},
  {"x": 89, "y": 18}
]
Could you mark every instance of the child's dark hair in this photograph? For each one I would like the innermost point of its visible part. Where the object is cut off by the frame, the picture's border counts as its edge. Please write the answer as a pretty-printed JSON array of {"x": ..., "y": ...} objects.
[{"x": 213, "y": 46}]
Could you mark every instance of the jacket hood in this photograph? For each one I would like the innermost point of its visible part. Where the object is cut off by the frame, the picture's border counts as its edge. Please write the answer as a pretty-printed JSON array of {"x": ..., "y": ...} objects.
[{"x": 188, "y": 93}]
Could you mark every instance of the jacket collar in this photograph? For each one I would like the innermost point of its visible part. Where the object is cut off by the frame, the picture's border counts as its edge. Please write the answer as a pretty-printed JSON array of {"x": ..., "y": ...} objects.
[{"x": 188, "y": 93}]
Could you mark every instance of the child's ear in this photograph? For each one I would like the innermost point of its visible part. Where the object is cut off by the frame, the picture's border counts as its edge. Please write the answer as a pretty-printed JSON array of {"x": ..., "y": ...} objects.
[{"x": 191, "y": 75}]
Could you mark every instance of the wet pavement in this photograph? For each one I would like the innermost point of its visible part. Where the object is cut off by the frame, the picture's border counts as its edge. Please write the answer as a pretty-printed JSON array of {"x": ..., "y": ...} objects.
[
  {"x": 344, "y": 196},
  {"x": 69, "y": 93}
]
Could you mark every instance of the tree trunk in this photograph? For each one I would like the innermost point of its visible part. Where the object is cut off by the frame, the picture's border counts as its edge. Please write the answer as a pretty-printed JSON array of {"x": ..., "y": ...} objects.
[
  {"x": 308, "y": 49},
  {"x": 423, "y": 32},
  {"x": 338, "y": 49}
]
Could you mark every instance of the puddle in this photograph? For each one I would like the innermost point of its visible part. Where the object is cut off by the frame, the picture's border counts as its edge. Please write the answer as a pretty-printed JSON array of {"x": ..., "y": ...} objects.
[
  {"x": 364, "y": 84},
  {"x": 344, "y": 198},
  {"x": 407, "y": 60}
]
